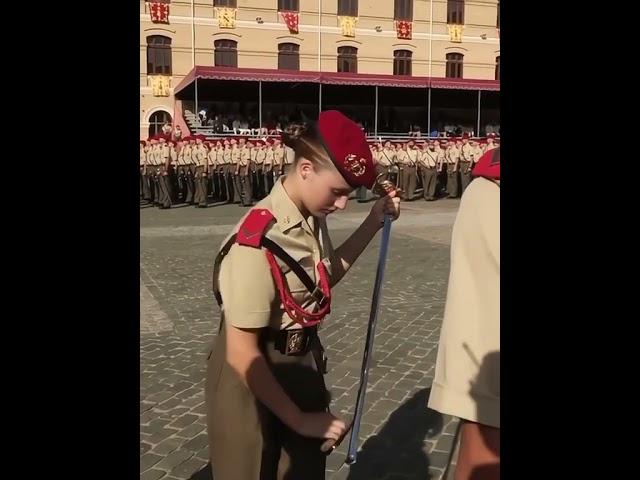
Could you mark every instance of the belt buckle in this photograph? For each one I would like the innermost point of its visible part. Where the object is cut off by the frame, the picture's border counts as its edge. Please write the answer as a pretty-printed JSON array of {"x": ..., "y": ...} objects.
[{"x": 295, "y": 342}]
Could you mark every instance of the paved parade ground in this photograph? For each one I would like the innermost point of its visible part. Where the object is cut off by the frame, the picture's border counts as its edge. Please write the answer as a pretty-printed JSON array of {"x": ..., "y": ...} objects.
[{"x": 400, "y": 437}]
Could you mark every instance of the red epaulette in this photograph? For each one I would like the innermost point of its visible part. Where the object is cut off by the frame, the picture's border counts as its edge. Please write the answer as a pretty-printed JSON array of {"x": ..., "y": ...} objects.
[{"x": 254, "y": 227}]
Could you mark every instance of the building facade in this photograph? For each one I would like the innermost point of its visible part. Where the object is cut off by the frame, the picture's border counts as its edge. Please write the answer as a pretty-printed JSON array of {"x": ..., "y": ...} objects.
[{"x": 447, "y": 44}]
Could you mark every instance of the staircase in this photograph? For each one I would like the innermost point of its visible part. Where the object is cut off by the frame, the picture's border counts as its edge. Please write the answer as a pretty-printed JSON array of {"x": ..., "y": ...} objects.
[{"x": 193, "y": 122}]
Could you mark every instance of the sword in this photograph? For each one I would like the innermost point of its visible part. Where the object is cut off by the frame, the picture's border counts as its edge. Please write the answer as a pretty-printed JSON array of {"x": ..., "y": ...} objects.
[{"x": 354, "y": 426}]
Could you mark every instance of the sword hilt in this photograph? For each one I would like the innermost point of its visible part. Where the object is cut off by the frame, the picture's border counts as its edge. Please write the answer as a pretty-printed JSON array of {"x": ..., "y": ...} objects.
[{"x": 330, "y": 445}]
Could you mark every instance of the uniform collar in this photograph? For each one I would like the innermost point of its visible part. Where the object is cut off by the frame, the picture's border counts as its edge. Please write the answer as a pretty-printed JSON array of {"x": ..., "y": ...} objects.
[{"x": 285, "y": 211}]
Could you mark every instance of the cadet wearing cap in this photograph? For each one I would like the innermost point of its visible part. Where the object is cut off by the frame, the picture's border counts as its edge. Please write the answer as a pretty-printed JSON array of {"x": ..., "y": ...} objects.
[
  {"x": 182, "y": 171},
  {"x": 173, "y": 172},
  {"x": 214, "y": 188},
  {"x": 388, "y": 159},
  {"x": 428, "y": 168},
  {"x": 382, "y": 161},
  {"x": 266, "y": 400},
  {"x": 491, "y": 137},
  {"x": 402, "y": 158},
  {"x": 410, "y": 169},
  {"x": 190, "y": 168},
  {"x": 199, "y": 154},
  {"x": 164, "y": 165},
  {"x": 164, "y": 178},
  {"x": 229, "y": 168},
  {"x": 453, "y": 161},
  {"x": 242, "y": 174},
  {"x": 161, "y": 159},
  {"x": 476, "y": 152},
  {"x": 467, "y": 374},
  {"x": 235, "y": 161},
  {"x": 267, "y": 167},
  {"x": 219, "y": 177},
  {"x": 441, "y": 186},
  {"x": 257, "y": 160},
  {"x": 466, "y": 161},
  {"x": 151, "y": 170}
]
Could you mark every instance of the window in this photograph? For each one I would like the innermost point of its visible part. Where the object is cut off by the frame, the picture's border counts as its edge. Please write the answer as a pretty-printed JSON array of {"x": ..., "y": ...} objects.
[
  {"x": 403, "y": 10},
  {"x": 158, "y": 55},
  {"x": 226, "y": 53},
  {"x": 498, "y": 68},
  {"x": 455, "y": 12},
  {"x": 348, "y": 8},
  {"x": 157, "y": 120},
  {"x": 498, "y": 19},
  {"x": 348, "y": 59},
  {"x": 225, "y": 3},
  {"x": 288, "y": 56},
  {"x": 402, "y": 62},
  {"x": 288, "y": 5},
  {"x": 454, "y": 65}
]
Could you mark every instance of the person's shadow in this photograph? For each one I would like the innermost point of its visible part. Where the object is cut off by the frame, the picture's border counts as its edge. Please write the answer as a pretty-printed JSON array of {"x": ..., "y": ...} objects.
[
  {"x": 399, "y": 448},
  {"x": 204, "y": 474}
]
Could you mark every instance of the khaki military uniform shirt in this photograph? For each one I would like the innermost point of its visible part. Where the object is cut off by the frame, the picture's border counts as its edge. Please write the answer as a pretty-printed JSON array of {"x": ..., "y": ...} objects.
[
  {"x": 429, "y": 158},
  {"x": 249, "y": 295},
  {"x": 402, "y": 157},
  {"x": 386, "y": 157},
  {"x": 466, "y": 153},
  {"x": 453, "y": 155},
  {"x": 227, "y": 155},
  {"x": 188, "y": 155},
  {"x": 467, "y": 374},
  {"x": 201, "y": 155},
  {"x": 261, "y": 157}
]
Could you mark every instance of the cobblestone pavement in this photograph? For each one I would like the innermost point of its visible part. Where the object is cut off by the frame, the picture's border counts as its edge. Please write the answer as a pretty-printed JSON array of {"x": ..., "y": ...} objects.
[{"x": 400, "y": 437}]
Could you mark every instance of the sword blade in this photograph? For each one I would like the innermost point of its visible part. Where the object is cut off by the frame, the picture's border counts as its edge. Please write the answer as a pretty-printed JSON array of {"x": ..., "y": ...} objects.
[{"x": 352, "y": 452}]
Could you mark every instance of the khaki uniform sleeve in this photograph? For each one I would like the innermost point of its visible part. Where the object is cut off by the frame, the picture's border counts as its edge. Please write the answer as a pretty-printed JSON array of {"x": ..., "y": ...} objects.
[{"x": 246, "y": 287}]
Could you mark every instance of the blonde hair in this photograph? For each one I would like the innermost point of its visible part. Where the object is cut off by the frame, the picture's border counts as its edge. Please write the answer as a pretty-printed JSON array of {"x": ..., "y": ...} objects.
[{"x": 306, "y": 143}]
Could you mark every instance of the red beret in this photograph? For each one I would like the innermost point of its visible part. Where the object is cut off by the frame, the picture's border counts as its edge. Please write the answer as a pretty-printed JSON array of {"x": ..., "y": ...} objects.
[
  {"x": 347, "y": 147},
  {"x": 488, "y": 165}
]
